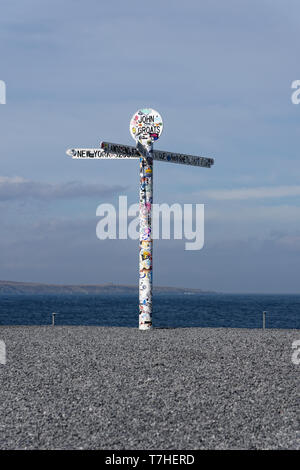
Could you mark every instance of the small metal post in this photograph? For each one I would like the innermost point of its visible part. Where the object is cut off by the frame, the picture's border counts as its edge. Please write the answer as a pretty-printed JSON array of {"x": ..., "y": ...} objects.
[
  {"x": 53, "y": 319},
  {"x": 264, "y": 320}
]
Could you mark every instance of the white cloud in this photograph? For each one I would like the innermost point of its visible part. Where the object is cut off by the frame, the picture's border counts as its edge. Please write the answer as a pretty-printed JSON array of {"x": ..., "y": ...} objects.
[
  {"x": 16, "y": 188},
  {"x": 11, "y": 179},
  {"x": 251, "y": 193}
]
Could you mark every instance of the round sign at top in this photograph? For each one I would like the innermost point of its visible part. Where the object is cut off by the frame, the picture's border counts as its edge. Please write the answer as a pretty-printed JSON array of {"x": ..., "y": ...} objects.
[{"x": 146, "y": 124}]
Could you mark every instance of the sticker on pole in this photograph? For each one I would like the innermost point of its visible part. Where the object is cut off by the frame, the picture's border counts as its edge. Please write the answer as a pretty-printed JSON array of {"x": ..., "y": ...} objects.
[{"x": 146, "y": 124}]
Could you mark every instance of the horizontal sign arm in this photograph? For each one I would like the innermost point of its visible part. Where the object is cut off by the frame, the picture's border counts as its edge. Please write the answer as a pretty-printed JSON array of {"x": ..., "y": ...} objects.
[
  {"x": 160, "y": 155},
  {"x": 97, "y": 153},
  {"x": 111, "y": 151},
  {"x": 182, "y": 159}
]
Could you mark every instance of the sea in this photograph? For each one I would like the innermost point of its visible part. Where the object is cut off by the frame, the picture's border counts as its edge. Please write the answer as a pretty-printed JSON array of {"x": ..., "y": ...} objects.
[{"x": 175, "y": 310}]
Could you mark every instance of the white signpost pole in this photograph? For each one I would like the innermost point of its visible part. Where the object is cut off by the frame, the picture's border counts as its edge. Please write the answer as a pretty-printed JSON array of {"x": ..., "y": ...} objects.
[
  {"x": 146, "y": 127},
  {"x": 146, "y": 240}
]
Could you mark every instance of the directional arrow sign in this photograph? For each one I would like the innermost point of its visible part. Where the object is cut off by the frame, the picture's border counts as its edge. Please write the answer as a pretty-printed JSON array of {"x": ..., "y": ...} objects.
[
  {"x": 111, "y": 151},
  {"x": 102, "y": 153},
  {"x": 127, "y": 151},
  {"x": 182, "y": 158}
]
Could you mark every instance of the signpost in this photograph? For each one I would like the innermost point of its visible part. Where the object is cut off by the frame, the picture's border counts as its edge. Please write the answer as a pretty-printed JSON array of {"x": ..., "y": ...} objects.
[{"x": 146, "y": 126}]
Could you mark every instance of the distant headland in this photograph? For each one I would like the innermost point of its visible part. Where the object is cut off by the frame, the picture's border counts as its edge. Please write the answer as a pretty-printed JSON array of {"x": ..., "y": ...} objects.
[{"x": 32, "y": 288}]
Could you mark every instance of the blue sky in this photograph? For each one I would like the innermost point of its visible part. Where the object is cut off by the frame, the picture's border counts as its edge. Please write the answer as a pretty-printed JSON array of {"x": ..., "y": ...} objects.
[{"x": 219, "y": 73}]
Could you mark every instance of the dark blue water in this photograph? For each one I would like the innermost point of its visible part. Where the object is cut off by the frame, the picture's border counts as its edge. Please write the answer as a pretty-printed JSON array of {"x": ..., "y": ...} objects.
[{"x": 169, "y": 310}]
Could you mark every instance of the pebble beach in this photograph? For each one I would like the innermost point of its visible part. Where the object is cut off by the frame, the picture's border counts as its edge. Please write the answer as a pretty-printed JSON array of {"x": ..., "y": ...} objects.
[{"x": 86, "y": 387}]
